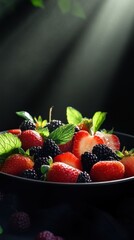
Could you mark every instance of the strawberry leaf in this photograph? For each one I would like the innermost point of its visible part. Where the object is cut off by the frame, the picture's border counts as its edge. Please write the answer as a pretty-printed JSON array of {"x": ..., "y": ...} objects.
[
  {"x": 8, "y": 143},
  {"x": 97, "y": 119},
  {"x": 63, "y": 134},
  {"x": 73, "y": 116},
  {"x": 25, "y": 115}
]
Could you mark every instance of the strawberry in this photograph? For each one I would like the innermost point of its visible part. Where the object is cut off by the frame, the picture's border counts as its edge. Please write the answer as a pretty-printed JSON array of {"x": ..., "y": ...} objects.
[
  {"x": 84, "y": 142},
  {"x": 16, "y": 131},
  {"x": 107, "y": 170},
  {"x": 128, "y": 162},
  {"x": 110, "y": 139},
  {"x": 68, "y": 158},
  {"x": 66, "y": 146},
  {"x": 62, "y": 172},
  {"x": 15, "y": 164},
  {"x": 30, "y": 138}
]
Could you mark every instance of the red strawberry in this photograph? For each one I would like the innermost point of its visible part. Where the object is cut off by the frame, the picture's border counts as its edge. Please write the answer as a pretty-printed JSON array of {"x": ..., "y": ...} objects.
[
  {"x": 16, "y": 131},
  {"x": 15, "y": 164},
  {"x": 84, "y": 142},
  {"x": 66, "y": 146},
  {"x": 62, "y": 172},
  {"x": 107, "y": 170},
  {"x": 110, "y": 139},
  {"x": 31, "y": 138},
  {"x": 128, "y": 162},
  {"x": 68, "y": 158}
]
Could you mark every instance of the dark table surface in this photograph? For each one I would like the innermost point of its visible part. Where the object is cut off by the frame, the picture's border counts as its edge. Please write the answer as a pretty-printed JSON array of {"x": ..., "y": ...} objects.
[{"x": 71, "y": 222}]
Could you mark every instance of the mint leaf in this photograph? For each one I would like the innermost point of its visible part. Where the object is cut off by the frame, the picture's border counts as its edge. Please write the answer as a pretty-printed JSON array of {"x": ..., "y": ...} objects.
[
  {"x": 25, "y": 115},
  {"x": 64, "y": 5},
  {"x": 77, "y": 10},
  {"x": 8, "y": 142},
  {"x": 63, "y": 134},
  {"x": 97, "y": 119},
  {"x": 73, "y": 115},
  {"x": 37, "y": 3},
  {"x": 1, "y": 230}
]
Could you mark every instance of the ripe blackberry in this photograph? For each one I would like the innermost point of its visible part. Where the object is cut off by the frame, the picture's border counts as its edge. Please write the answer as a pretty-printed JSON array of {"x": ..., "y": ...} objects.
[
  {"x": 50, "y": 148},
  {"x": 103, "y": 152},
  {"x": 88, "y": 160},
  {"x": 19, "y": 222},
  {"x": 52, "y": 125},
  {"x": 29, "y": 173},
  {"x": 26, "y": 125},
  {"x": 83, "y": 177},
  {"x": 39, "y": 161},
  {"x": 36, "y": 151}
]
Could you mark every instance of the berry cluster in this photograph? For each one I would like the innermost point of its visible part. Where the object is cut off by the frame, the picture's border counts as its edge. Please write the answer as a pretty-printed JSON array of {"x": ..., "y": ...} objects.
[{"x": 72, "y": 152}]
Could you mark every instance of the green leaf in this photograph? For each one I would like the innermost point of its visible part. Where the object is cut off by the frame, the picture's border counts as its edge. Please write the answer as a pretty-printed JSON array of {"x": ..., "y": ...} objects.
[
  {"x": 25, "y": 115},
  {"x": 37, "y": 3},
  {"x": 77, "y": 10},
  {"x": 98, "y": 119},
  {"x": 64, "y": 5},
  {"x": 73, "y": 116},
  {"x": 8, "y": 143},
  {"x": 43, "y": 131},
  {"x": 1, "y": 230},
  {"x": 63, "y": 134}
]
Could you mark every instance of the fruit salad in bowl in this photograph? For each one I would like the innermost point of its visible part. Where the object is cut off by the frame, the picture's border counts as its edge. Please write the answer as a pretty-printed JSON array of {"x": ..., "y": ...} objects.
[{"x": 77, "y": 151}]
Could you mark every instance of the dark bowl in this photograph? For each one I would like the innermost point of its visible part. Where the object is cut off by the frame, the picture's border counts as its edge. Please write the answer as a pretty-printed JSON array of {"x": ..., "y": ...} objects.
[{"x": 39, "y": 193}]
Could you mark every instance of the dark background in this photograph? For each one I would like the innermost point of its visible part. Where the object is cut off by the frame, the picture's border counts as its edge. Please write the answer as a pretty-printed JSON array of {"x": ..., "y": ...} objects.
[{"x": 50, "y": 58}]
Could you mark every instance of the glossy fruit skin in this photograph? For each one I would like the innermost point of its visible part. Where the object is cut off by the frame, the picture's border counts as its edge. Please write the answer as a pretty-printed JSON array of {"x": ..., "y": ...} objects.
[
  {"x": 30, "y": 138},
  {"x": 107, "y": 170},
  {"x": 128, "y": 162},
  {"x": 15, "y": 164},
  {"x": 66, "y": 147},
  {"x": 16, "y": 131},
  {"x": 110, "y": 139},
  {"x": 62, "y": 172},
  {"x": 70, "y": 159},
  {"x": 84, "y": 142}
]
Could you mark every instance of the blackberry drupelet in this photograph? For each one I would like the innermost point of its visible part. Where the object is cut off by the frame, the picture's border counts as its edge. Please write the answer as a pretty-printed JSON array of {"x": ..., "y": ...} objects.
[
  {"x": 50, "y": 148},
  {"x": 36, "y": 151},
  {"x": 27, "y": 125},
  {"x": 39, "y": 161},
  {"x": 83, "y": 177},
  {"x": 29, "y": 173},
  {"x": 88, "y": 159},
  {"x": 52, "y": 125},
  {"x": 103, "y": 152}
]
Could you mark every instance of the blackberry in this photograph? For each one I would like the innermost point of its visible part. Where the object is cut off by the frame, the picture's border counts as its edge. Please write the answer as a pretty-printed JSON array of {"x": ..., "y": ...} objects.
[
  {"x": 88, "y": 160},
  {"x": 36, "y": 151},
  {"x": 39, "y": 161},
  {"x": 44, "y": 235},
  {"x": 26, "y": 125},
  {"x": 29, "y": 173},
  {"x": 103, "y": 152},
  {"x": 52, "y": 125},
  {"x": 50, "y": 148},
  {"x": 19, "y": 222},
  {"x": 83, "y": 177}
]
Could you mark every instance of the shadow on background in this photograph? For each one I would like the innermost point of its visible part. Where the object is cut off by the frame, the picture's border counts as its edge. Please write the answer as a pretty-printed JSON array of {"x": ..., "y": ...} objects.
[{"x": 48, "y": 58}]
